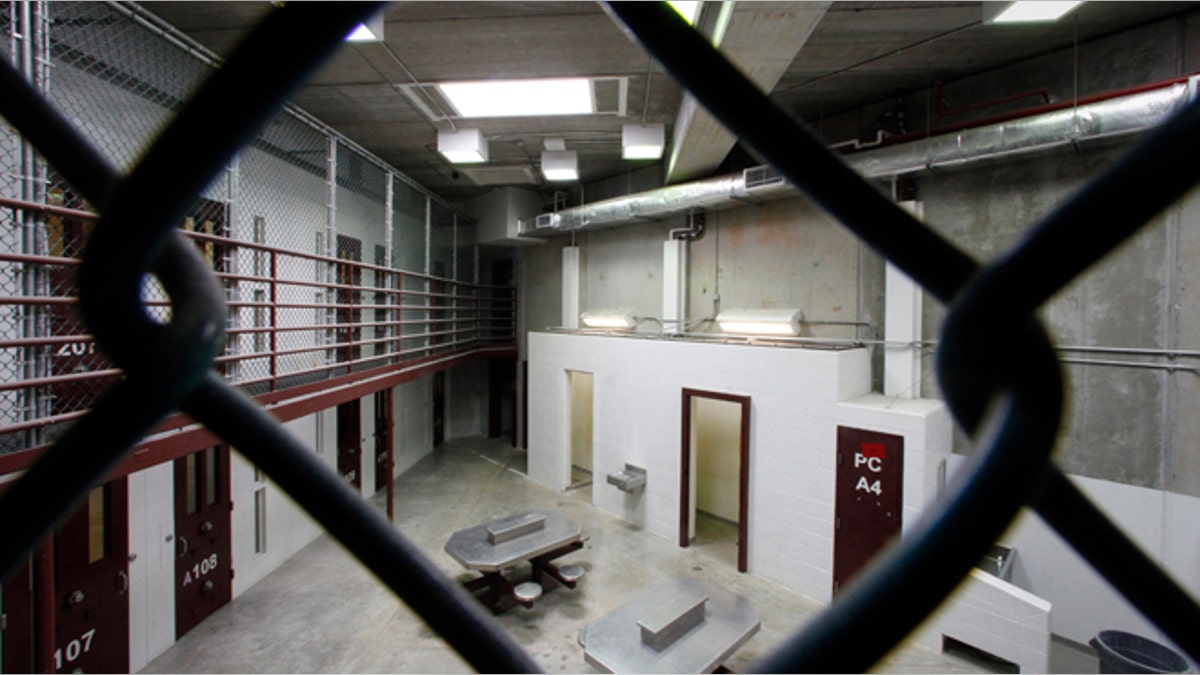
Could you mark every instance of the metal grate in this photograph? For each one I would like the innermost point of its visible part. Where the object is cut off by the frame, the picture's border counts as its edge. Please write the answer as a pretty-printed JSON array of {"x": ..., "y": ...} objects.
[{"x": 169, "y": 365}]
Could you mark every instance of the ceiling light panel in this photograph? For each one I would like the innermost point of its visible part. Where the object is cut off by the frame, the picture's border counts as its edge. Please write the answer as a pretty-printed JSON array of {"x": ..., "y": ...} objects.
[
  {"x": 520, "y": 98},
  {"x": 1028, "y": 11}
]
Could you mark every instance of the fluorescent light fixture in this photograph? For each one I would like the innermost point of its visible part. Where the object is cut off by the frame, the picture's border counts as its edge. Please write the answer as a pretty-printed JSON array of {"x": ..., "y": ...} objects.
[
  {"x": 1027, "y": 11},
  {"x": 612, "y": 319},
  {"x": 642, "y": 141},
  {"x": 465, "y": 146},
  {"x": 371, "y": 31},
  {"x": 760, "y": 321},
  {"x": 558, "y": 165},
  {"x": 520, "y": 98},
  {"x": 688, "y": 9}
]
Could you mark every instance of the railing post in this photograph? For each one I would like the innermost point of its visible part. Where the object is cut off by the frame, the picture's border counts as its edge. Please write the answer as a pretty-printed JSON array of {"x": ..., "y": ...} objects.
[{"x": 273, "y": 343}]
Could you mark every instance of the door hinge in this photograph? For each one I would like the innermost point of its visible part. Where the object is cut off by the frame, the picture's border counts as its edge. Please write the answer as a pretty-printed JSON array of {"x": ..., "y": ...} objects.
[
  {"x": 837, "y": 523},
  {"x": 3, "y": 622},
  {"x": 230, "y": 504},
  {"x": 232, "y": 573}
]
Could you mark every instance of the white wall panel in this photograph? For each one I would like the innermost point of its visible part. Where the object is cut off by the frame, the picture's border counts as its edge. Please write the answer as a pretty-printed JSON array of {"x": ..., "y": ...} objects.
[{"x": 798, "y": 398}]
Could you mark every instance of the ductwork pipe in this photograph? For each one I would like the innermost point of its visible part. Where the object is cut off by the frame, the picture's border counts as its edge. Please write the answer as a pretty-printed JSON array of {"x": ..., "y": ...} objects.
[{"x": 1117, "y": 116}]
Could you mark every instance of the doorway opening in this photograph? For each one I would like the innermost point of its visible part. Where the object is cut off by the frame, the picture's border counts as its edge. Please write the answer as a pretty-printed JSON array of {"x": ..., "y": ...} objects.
[
  {"x": 349, "y": 440},
  {"x": 715, "y": 475},
  {"x": 581, "y": 390}
]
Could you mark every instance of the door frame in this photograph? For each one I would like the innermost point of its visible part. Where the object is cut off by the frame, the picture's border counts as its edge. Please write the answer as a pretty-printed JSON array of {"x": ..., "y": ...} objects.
[{"x": 685, "y": 472}]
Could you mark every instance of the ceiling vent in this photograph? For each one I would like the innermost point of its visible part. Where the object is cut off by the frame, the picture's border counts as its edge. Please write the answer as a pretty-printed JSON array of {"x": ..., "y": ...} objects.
[
  {"x": 499, "y": 175},
  {"x": 543, "y": 221},
  {"x": 610, "y": 94}
]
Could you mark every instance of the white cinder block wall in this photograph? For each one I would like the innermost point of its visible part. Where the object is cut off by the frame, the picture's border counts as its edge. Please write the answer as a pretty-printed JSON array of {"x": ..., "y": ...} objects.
[{"x": 798, "y": 399}]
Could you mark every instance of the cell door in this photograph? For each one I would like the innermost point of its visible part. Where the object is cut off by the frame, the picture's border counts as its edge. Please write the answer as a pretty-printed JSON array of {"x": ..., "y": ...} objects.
[
  {"x": 348, "y": 313},
  {"x": 16, "y": 622},
  {"x": 203, "y": 571},
  {"x": 349, "y": 435},
  {"x": 870, "y": 483},
  {"x": 383, "y": 438},
  {"x": 91, "y": 584}
]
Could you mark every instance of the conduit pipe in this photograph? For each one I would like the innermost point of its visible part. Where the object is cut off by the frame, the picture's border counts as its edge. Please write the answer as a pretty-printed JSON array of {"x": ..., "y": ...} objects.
[{"x": 1120, "y": 114}]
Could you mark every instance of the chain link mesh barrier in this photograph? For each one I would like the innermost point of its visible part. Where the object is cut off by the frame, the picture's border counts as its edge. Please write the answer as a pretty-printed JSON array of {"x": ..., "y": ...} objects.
[
  {"x": 996, "y": 365},
  {"x": 290, "y": 226}
]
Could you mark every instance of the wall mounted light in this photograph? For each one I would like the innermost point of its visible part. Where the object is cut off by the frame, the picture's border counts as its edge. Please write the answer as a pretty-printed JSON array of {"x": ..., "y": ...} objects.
[
  {"x": 1027, "y": 11},
  {"x": 368, "y": 31},
  {"x": 560, "y": 165},
  {"x": 640, "y": 141},
  {"x": 465, "y": 146},
  {"x": 760, "y": 321},
  {"x": 612, "y": 319}
]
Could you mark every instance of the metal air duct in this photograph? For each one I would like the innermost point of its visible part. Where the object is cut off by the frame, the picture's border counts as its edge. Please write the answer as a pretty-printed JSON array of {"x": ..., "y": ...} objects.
[{"x": 1115, "y": 116}]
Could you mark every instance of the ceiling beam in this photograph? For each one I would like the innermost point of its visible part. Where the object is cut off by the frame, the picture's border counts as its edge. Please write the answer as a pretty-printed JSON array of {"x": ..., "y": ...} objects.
[{"x": 762, "y": 39}]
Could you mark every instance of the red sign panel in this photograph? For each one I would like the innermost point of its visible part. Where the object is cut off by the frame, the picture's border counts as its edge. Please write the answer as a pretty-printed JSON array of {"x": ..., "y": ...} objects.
[{"x": 870, "y": 486}]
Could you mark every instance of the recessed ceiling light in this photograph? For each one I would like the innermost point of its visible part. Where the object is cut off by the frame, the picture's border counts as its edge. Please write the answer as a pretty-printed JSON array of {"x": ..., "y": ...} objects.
[
  {"x": 370, "y": 31},
  {"x": 688, "y": 9},
  {"x": 520, "y": 98},
  {"x": 1028, "y": 11}
]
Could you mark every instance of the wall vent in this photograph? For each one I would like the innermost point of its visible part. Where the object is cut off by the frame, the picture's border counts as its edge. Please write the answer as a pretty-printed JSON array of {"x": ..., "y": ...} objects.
[
  {"x": 543, "y": 221},
  {"x": 761, "y": 176}
]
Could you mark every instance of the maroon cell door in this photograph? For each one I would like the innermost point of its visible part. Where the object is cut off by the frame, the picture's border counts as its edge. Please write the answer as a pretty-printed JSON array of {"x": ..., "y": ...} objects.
[
  {"x": 383, "y": 437},
  {"x": 203, "y": 571},
  {"x": 870, "y": 486},
  {"x": 91, "y": 584},
  {"x": 16, "y": 622},
  {"x": 349, "y": 439},
  {"x": 348, "y": 315}
]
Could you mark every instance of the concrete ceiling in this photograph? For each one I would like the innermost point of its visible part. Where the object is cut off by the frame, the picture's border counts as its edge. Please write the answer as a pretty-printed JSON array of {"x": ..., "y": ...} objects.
[{"x": 819, "y": 59}]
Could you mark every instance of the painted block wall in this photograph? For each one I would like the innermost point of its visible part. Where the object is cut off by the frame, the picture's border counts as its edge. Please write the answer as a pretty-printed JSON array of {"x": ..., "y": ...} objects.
[
  {"x": 1162, "y": 523},
  {"x": 466, "y": 400},
  {"x": 412, "y": 435},
  {"x": 798, "y": 398},
  {"x": 289, "y": 528},
  {"x": 998, "y": 617}
]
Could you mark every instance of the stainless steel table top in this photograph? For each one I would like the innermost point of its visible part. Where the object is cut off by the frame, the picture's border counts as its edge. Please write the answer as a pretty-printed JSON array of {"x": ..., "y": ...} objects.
[
  {"x": 473, "y": 550},
  {"x": 614, "y": 642}
]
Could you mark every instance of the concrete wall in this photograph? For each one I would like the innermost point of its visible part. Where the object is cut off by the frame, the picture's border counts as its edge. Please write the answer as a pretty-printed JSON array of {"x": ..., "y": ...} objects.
[{"x": 798, "y": 398}]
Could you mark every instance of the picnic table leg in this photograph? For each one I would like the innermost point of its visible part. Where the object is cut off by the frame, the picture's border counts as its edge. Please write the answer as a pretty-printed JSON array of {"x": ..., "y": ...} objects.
[
  {"x": 546, "y": 573},
  {"x": 497, "y": 591}
]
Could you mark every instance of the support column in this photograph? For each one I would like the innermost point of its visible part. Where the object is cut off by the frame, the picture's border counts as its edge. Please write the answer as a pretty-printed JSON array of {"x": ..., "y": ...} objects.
[
  {"x": 674, "y": 273},
  {"x": 570, "y": 287},
  {"x": 902, "y": 321}
]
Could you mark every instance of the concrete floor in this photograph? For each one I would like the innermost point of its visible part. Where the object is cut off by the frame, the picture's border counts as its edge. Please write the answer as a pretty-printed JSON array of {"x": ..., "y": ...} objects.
[{"x": 322, "y": 612}]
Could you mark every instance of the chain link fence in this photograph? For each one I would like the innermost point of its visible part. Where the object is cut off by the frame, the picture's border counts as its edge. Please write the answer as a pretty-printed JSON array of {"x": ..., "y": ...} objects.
[
  {"x": 301, "y": 230},
  {"x": 993, "y": 350}
]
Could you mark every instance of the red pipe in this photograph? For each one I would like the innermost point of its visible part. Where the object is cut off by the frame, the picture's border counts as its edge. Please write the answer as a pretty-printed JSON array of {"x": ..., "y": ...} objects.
[
  {"x": 942, "y": 112},
  {"x": 46, "y": 208},
  {"x": 1027, "y": 112}
]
